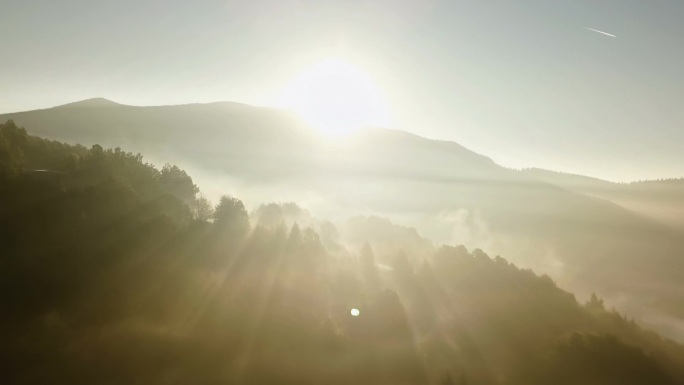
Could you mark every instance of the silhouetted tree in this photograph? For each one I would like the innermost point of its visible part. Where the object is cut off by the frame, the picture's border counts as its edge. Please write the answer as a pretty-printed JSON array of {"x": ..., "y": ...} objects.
[
  {"x": 594, "y": 303},
  {"x": 230, "y": 214},
  {"x": 177, "y": 182},
  {"x": 202, "y": 210}
]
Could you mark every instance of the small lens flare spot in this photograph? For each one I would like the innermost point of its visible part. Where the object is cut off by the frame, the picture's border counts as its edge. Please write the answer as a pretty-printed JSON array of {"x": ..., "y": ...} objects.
[{"x": 355, "y": 312}]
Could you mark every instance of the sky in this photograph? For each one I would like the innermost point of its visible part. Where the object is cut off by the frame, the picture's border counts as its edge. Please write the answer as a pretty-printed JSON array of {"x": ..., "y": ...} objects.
[{"x": 527, "y": 83}]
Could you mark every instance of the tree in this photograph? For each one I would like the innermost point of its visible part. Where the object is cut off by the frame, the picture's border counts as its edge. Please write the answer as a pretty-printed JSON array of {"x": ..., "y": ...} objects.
[
  {"x": 178, "y": 182},
  {"x": 594, "y": 303},
  {"x": 201, "y": 209},
  {"x": 270, "y": 215},
  {"x": 230, "y": 213},
  {"x": 11, "y": 153},
  {"x": 584, "y": 358},
  {"x": 294, "y": 241}
]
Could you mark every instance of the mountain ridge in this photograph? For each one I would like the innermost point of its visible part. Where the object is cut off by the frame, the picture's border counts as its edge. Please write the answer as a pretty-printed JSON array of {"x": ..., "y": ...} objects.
[{"x": 88, "y": 103}]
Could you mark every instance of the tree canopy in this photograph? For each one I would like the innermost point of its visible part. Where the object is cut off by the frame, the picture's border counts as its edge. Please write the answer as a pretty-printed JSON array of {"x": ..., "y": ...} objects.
[{"x": 114, "y": 271}]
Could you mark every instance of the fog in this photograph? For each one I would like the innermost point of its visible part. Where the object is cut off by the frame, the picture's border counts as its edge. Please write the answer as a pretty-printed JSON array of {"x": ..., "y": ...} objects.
[
  {"x": 341, "y": 192},
  {"x": 589, "y": 235},
  {"x": 247, "y": 262}
]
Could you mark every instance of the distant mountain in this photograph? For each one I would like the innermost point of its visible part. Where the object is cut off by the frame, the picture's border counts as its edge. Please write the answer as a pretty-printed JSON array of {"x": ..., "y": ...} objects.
[
  {"x": 157, "y": 129},
  {"x": 662, "y": 200},
  {"x": 583, "y": 239},
  {"x": 91, "y": 103},
  {"x": 221, "y": 134}
]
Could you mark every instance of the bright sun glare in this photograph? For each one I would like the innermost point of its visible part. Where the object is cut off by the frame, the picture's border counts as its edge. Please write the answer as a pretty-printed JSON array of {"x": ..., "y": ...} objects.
[{"x": 336, "y": 97}]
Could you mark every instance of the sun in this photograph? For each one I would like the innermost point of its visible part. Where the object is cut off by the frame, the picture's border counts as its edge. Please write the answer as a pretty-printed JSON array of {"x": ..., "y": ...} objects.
[{"x": 336, "y": 97}]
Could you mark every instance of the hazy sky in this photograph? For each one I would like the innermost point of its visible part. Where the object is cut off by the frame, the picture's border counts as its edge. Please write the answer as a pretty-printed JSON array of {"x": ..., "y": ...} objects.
[{"x": 524, "y": 82}]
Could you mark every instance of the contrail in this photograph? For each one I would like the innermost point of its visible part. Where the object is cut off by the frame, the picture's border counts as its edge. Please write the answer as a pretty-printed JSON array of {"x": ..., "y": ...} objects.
[{"x": 596, "y": 30}]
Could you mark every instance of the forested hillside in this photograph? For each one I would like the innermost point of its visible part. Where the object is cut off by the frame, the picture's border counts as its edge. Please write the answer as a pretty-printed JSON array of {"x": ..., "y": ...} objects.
[
  {"x": 113, "y": 271},
  {"x": 588, "y": 242},
  {"x": 662, "y": 200}
]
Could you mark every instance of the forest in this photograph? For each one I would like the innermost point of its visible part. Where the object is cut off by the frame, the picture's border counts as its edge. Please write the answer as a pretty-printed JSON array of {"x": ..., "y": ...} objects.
[{"x": 114, "y": 271}]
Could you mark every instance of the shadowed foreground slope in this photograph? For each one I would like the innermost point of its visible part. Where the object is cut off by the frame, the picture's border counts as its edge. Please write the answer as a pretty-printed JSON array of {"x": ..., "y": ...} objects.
[{"x": 112, "y": 273}]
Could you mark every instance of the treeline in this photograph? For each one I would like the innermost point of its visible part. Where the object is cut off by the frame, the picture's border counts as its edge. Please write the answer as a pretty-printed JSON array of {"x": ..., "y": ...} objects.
[{"x": 115, "y": 272}]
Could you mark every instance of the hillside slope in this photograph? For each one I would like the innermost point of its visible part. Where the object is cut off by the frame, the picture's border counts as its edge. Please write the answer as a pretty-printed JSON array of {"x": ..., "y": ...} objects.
[
  {"x": 661, "y": 200},
  {"x": 110, "y": 273},
  {"x": 448, "y": 192}
]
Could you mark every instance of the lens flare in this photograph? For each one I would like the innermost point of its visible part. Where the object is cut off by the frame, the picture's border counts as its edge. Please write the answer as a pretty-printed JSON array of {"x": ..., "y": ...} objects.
[{"x": 336, "y": 97}]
